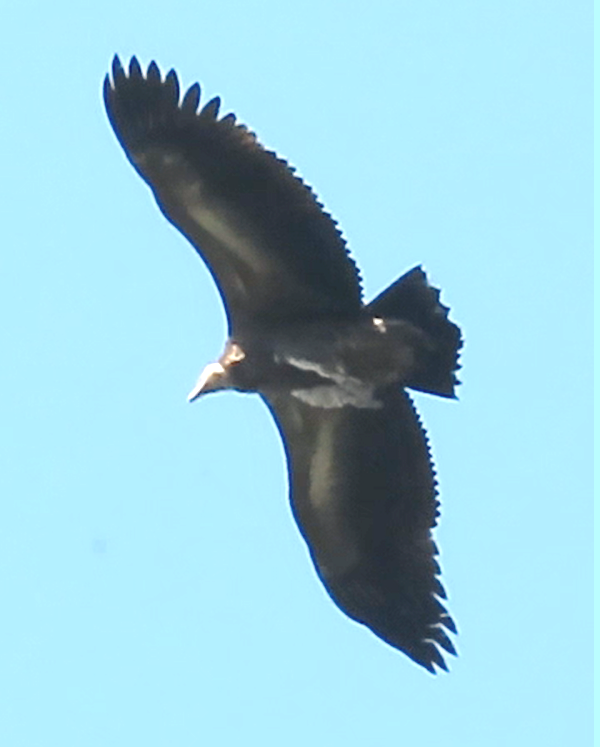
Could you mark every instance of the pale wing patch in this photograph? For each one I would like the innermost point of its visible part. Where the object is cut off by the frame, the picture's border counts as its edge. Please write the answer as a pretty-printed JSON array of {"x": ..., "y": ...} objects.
[
  {"x": 214, "y": 218},
  {"x": 306, "y": 365},
  {"x": 219, "y": 226},
  {"x": 330, "y": 396},
  {"x": 343, "y": 390},
  {"x": 338, "y": 550}
]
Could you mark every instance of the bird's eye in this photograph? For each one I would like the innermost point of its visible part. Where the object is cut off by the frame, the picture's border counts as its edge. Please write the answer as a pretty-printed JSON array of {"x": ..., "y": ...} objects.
[{"x": 235, "y": 354}]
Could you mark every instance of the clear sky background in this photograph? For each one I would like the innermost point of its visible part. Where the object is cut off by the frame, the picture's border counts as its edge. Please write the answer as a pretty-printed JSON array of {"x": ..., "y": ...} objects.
[{"x": 154, "y": 588}]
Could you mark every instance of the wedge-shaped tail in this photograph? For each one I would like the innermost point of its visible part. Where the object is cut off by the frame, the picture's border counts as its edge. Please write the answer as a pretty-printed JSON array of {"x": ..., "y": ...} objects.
[{"x": 412, "y": 299}]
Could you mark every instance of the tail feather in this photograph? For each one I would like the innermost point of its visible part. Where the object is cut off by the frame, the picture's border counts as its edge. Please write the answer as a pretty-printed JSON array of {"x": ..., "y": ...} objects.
[{"x": 412, "y": 299}]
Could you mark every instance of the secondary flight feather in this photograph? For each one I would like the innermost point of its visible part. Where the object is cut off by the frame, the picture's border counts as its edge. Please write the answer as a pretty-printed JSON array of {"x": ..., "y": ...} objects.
[{"x": 332, "y": 370}]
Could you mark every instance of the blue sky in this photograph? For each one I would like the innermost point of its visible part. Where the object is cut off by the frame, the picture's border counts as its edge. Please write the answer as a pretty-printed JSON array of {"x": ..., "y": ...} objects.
[{"x": 154, "y": 588}]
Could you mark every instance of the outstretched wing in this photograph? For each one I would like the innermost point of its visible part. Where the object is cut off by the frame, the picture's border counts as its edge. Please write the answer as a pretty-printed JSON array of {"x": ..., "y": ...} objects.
[
  {"x": 272, "y": 250},
  {"x": 363, "y": 492}
]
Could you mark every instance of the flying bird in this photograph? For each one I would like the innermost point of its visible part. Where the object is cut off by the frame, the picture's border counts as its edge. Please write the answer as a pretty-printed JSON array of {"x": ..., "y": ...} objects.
[{"x": 332, "y": 370}]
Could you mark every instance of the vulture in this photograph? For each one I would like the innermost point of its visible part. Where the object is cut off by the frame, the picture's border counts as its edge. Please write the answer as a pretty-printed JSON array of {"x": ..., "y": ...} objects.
[{"x": 332, "y": 370}]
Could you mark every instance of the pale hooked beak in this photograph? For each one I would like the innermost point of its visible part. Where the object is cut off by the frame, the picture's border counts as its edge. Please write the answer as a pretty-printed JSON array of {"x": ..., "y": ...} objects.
[{"x": 211, "y": 372}]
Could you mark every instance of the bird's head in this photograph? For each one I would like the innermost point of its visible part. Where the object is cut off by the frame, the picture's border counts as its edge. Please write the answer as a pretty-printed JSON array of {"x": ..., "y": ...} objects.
[{"x": 220, "y": 374}]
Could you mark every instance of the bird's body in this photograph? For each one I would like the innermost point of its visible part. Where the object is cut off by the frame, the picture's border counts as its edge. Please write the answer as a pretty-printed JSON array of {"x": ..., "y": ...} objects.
[
  {"x": 331, "y": 369},
  {"x": 368, "y": 352}
]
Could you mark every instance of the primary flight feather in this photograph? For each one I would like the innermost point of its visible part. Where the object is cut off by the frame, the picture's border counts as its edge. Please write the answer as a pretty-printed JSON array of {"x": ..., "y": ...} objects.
[{"x": 332, "y": 370}]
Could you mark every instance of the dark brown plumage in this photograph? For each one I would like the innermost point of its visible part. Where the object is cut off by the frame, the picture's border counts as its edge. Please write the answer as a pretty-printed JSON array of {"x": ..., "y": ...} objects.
[{"x": 332, "y": 370}]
